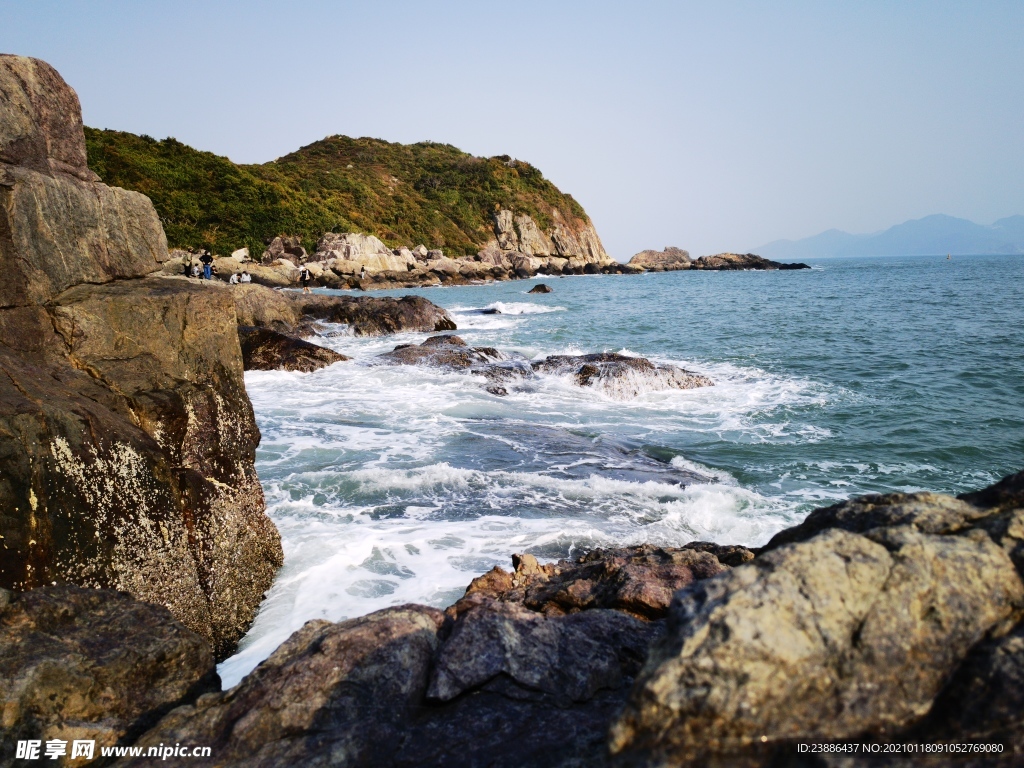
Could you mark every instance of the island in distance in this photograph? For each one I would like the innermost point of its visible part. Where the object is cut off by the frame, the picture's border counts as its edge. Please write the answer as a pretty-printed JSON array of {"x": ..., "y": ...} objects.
[{"x": 673, "y": 259}]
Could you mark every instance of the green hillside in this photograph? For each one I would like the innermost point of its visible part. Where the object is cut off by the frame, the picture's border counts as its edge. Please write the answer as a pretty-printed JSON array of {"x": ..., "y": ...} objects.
[{"x": 404, "y": 194}]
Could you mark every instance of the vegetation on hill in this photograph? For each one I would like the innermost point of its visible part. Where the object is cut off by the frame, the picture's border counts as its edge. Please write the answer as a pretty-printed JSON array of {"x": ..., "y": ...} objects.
[{"x": 404, "y": 194}]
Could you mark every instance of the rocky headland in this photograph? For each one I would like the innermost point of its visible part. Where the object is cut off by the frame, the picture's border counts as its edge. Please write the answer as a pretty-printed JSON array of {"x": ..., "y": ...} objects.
[
  {"x": 675, "y": 259},
  {"x": 892, "y": 619}
]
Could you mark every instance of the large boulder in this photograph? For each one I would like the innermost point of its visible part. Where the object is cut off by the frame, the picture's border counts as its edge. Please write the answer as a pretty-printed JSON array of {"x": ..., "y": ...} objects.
[
  {"x": 284, "y": 247},
  {"x": 355, "y": 252},
  {"x": 92, "y": 664},
  {"x": 668, "y": 260},
  {"x": 292, "y": 312},
  {"x": 267, "y": 350},
  {"x": 127, "y": 441},
  {"x": 620, "y": 376},
  {"x": 849, "y": 625}
]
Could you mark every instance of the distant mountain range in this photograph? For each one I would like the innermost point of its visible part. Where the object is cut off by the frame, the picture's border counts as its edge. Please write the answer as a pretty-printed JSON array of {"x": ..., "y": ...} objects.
[{"x": 936, "y": 234}]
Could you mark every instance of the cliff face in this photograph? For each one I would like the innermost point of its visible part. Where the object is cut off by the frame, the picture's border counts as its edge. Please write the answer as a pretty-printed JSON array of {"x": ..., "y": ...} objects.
[{"x": 126, "y": 438}]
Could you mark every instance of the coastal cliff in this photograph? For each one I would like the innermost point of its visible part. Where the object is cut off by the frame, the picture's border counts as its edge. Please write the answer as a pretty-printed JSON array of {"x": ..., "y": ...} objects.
[{"x": 127, "y": 440}]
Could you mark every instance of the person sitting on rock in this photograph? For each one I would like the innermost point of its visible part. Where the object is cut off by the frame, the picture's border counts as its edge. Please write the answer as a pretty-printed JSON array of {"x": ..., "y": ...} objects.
[
  {"x": 195, "y": 270},
  {"x": 233, "y": 280},
  {"x": 207, "y": 260},
  {"x": 246, "y": 277},
  {"x": 304, "y": 277}
]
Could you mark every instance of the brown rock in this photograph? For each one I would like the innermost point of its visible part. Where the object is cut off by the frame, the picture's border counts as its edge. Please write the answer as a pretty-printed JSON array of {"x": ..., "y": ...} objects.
[
  {"x": 732, "y": 261},
  {"x": 267, "y": 350},
  {"x": 638, "y": 581},
  {"x": 449, "y": 352},
  {"x": 93, "y": 664},
  {"x": 668, "y": 260},
  {"x": 126, "y": 438},
  {"x": 540, "y": 288}
]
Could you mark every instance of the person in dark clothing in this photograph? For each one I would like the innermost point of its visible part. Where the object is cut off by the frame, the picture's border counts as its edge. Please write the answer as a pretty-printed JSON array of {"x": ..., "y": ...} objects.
[{"x": 207, "y": 260}]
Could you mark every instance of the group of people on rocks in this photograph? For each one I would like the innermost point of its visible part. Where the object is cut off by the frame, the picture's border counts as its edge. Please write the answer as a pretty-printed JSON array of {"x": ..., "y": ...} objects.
[{"x": 203, "y": 269}]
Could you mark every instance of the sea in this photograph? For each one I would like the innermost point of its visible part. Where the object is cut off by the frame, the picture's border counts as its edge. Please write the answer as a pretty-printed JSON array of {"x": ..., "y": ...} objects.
[{"x": 400, "y": 484}]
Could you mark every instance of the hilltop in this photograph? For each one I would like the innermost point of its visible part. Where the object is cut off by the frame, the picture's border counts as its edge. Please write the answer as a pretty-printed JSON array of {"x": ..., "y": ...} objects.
[
  {"x": 937, "y": 234},
  {"x": 404, "y": 194}
]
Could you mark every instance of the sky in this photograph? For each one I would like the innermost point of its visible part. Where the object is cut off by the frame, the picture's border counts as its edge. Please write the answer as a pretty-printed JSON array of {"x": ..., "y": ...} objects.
[{"x": 711, "y": 126}]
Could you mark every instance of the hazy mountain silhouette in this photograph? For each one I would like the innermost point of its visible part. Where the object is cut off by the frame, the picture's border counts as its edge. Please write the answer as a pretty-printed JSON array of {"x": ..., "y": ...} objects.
[{"x": 936, "y": 234}]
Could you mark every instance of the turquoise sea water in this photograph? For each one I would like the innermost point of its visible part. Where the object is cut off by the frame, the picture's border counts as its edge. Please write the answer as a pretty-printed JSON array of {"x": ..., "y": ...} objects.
[{"x": 401, "y": 484}]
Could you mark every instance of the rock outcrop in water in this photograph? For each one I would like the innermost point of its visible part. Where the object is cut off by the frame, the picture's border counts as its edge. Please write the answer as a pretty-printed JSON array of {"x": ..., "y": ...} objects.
[
  {"x": 291, "y": 312},
  {"x": 620, "y": 376},
  {"x": 267, "y": 350},
  {"x": 886, "y": 619},
  {"x": 126, "y": 437},
  {"x": 674, "y": 259}
]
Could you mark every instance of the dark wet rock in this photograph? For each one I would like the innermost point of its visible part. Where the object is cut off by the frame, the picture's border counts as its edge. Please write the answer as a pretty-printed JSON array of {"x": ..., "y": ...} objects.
[
  {"x": 332, "y": 694},
  {"x": 292, "y": 312},
  {"x": 620, "y": 375},
  {"x": 93, "y": 664},
  {"x": 850, "y": 628},
  {"x": 448, "y": 352},
  {"x": 285, "y": 247},
  {"x": 540, "y": 288},
  {"x": 267, "y": 350},
  {"x": 731, "y": 261},
  {"x": 638, "y": 581},
  {"x": 127, "y": 440}
]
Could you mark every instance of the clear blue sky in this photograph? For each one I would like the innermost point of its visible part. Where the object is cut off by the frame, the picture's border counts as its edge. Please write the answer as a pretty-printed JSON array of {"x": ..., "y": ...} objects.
[{"x": 711, "y": 126}]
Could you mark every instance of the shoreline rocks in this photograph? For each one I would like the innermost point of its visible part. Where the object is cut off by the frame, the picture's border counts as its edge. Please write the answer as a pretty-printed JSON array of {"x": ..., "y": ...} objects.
[
  {"x": 620, "y": 376},
  {"x": 892, "y": 619}
]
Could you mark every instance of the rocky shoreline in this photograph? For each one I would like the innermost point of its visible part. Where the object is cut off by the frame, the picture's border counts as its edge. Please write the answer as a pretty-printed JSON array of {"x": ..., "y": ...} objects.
[
  {"x": 135, "y": 550},
  {"x": 892, "y": 619}
]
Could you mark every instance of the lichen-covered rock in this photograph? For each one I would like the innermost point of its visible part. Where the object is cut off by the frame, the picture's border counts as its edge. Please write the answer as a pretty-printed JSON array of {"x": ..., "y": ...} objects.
[
  {"x": 620, "y": 376},
  {"x": 639, "y": 581},
  {"x": 292, "y": 312},
  {"x": 837, "y": 635},
  {"x": 126, "y": 438},
  {"x": 92, "y": 664},
  {"x": 267, "y": 350}
]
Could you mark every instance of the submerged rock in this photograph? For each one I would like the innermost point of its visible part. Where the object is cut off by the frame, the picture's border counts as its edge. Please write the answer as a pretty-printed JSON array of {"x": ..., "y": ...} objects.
[
  {"x": 93, "y": 664},
  {"x": 448, "y": 352},
  {"x": 620, "y": 375},
  {"x": 638, "y": 581},
  {"x": 267, "y": 350}
]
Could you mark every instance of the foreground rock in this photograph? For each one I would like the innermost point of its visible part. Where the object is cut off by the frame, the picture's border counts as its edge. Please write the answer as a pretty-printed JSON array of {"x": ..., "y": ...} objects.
[
  {"x": 127, "y": 440},
  {"x": 292, "y": 312},
  {"x": 638, "y": 581},
  {"x": 92, "y": 664},
  {"x": 847, "y": 626},
  {"x": 668, "y": 260},
  {"x": 620, "y": 376},
  {"x": 267, "y": 350}
]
